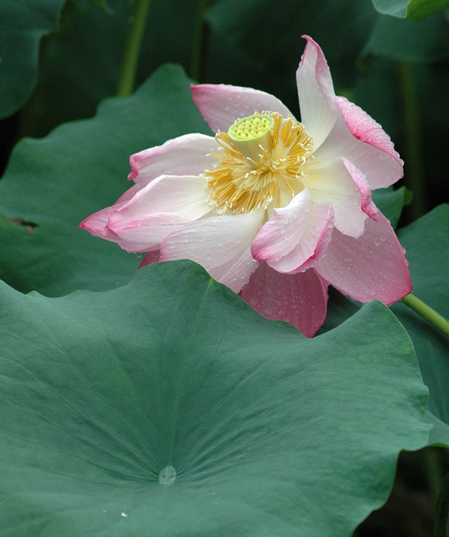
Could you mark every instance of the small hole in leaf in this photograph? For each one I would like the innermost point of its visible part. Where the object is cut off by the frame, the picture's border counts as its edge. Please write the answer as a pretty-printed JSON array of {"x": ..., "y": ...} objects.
[{"x": 29, "y": 226}]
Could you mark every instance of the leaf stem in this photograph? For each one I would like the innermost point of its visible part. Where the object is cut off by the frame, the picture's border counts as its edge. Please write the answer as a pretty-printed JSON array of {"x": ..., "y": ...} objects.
[
  {"x": 427, "y": 312},
  {"x": 441, "y": 510},
  {"x": 132, "y": 48},
  {"x": 199, "y": 42},
  {"x": 414, "y": 174}
]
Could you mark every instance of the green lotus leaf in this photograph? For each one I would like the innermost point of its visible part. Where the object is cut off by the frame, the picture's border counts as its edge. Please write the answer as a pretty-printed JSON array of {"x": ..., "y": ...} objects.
[
  {"x": 54, "y": 183},
  {"x": 22, "y": 25},
  {"x": 169, "y": 407}
]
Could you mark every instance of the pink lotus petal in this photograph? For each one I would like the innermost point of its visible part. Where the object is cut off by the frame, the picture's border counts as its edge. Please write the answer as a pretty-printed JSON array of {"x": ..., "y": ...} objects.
[
  {"x": 317, "y": 101},
  {"x": 147, "y": 232},
  {"x": 185, "y": 155},
  {"x": 128, "y": 195},
  {"x": 296, "y": 236},
  {"x": 180, "y": 194},
  {"x": 150, "y": 258},
  {"x": 145, "y": 215},
  {"x": 300, "y": 299},
  {"x": 283, "y": 231},
  {"x": 370, "y": 267},
  {"x": 365, "y": 129},
  {"x": 345, "y": 187},
  {"x": 221, "y": 105},
  {"x": 240, "y": 271},
  {"x": 212, "y": 242},
  {"x": 314, "y": 242},
  {"x": 96, "y": 224},
  {"x": 368, "y": 206},
  {"x": 380, "y": 169}
]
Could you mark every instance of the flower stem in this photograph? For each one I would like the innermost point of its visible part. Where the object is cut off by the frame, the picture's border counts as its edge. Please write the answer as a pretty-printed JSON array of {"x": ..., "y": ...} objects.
[
  {"x": 414, "y": 172},
  {"x": 132, "y": 48},
  {"x": 427, "y": 312},
  {"x": 441, "y": 511}
]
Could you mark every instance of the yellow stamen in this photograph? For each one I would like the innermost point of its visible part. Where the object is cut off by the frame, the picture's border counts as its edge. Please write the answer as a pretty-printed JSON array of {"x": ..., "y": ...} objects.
[{"x": 241, "y": 182}]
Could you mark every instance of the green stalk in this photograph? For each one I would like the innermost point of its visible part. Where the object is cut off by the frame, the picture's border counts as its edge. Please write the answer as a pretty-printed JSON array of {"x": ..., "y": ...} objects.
[
  {"x": 199, "y": 41},
  {"x": 132, "y": 48},
  {"x": 414, "y": 170},
  {"x": 434, "y": 472},
  {"x": 441, "y": 511},
  {"x": 427, "y": 312}
]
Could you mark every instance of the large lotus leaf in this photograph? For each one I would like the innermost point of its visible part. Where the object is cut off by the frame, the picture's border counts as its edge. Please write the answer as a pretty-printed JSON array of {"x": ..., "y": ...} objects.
[
  {"x": 427, "y": 244},
  {"x": 427, "y": 248},
  {"x": 52, "y": 184},
  {"x": 396, "y": 8},
  {"x": 22, "y": 24},
  {"x": 414, "y": 10},
  {"x": 169, "y": 407},
  {"x": 399, "y": 39},
  {"x": 391, "y": 202}
]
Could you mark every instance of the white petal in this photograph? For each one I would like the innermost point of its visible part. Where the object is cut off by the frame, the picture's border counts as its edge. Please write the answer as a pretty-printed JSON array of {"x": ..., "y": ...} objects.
[
  {"x": 313, "y": 243},
  {"x": 212, "y": 242},
  {"x": 178, "y": 194},
  {"x": 148, "y": 232},
  {"x": 185, "y": 155},
  {"x": 295, "y": 236},
  {"x": 337, "y": 184},
  {"x": 240, "y": 271},
  {"x": 283, "y": 231},
  {"x": 317, "y": 101}
]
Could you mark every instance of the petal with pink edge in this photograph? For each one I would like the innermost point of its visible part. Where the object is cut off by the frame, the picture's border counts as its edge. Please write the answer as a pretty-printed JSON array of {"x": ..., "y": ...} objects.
[
  {"x": 221, "y": 104},
  {"x": 295, "y": 236},
  {"x": 239, "y": 272},
  {"x": 317, "y": 101},
  {"x": 380, "y": 169},
  {"x": 346, "y": 188},
  {"x": 146, "y": 233},
  {"x": 284, "y": 229},
  {"x": 96, "y": 225},
  {"x": 317, "y": 236},
  {"x": 368, "y": 268},
  {"x": 185, "y": 155},
  {"x": 365, "y": 129},
  {"x": 300, "y": 299},
  {"x": 179, "y": 194},
  {"x": 150, "y": 258},
  {"x": 214, "y": 241}
]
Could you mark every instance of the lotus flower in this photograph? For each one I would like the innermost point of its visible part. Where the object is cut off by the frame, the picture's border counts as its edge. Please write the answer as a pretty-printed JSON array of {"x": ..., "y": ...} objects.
[{"x": 274, "y": 208}]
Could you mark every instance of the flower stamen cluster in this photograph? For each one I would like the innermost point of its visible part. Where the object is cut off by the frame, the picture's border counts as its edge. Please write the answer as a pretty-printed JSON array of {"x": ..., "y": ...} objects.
[{"x": 242, "y": 182}]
